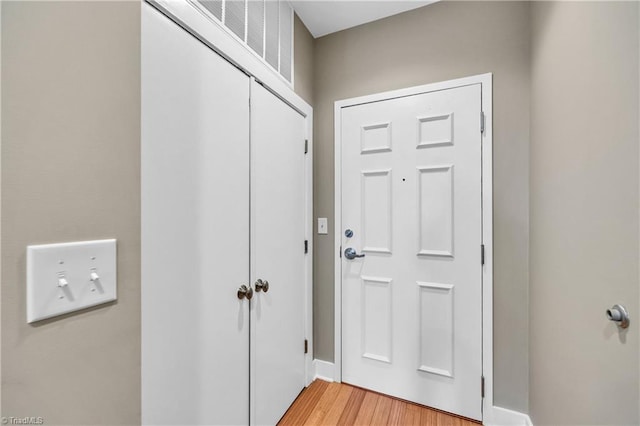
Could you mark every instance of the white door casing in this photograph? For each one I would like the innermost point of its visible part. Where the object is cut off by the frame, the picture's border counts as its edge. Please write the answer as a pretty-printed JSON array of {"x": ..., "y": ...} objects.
[
  {"x": 277, "y": 255},
  {"x": 411, "y": 191},
  {"x": 195, "y": 230}
]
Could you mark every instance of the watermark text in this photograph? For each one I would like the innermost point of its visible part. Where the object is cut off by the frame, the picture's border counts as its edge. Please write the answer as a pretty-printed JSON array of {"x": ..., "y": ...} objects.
[{"x": 27, "y": 420}]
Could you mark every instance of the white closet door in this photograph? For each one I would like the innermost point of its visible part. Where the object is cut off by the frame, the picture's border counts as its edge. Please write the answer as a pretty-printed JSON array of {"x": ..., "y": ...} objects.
[
  {"x": 195, "y": 230},
  {"x": 277, "y": 255}
]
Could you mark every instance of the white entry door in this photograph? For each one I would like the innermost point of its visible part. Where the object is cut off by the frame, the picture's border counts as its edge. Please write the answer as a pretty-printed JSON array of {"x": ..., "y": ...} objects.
[
  {"x": 277, "y": 255},
  {"x": 195, "y": 230},
  {"x": 411, "y": 196}
]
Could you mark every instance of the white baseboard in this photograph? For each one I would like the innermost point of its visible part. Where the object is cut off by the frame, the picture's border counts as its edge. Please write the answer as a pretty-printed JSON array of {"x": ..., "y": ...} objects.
[
  {"x": 504, "y": 417},
  {"x": 324, "y": 370}
]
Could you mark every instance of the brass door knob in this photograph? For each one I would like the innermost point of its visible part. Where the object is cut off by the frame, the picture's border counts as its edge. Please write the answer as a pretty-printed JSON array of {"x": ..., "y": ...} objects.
[
  {"x": 245, "y": 292},
  {"x": 262, "y": 285}
]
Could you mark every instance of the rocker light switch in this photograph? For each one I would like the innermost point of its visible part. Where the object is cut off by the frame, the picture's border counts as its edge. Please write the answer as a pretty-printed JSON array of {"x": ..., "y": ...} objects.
[{"x": 63, "y": 278}]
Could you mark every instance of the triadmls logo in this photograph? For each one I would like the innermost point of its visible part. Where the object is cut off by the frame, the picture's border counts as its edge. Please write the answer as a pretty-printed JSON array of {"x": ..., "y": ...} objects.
[{"x": 23, "y": 420}]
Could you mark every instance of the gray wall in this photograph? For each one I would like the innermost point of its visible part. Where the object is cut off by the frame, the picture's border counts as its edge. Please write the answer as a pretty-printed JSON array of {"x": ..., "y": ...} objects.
[
  {"x": 303, "y": 44},
  {"x": 71, "y": 171},
  {"x": 584, "y": 212},
  {"x": 438, "y": 42}
]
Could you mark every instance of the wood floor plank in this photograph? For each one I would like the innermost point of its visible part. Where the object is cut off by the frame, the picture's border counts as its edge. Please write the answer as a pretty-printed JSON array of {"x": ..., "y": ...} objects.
[
  {"x": 428, "y": 417},
  {"x": 382, "y": 411},
  {"x": 458, "y": 421},
  {"x": 329, "y": 404},
  {"x": 397, "y": 410},
  {"x": 303, "y": 406},
  {"x": 411, "y": 415},
  {"x": 444, "y": 419},
  {"x": 339, "y": 405},
  {"x": 323, "y": 406},
  {"x": 352, "y": 408},
  {"x": 366, "y": 409}
]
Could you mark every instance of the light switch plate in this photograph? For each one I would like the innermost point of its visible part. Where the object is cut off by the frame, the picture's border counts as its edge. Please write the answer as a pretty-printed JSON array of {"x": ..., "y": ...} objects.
[
  {"x": 322, "y": 225},
  {"x": 59, "y": 277}
]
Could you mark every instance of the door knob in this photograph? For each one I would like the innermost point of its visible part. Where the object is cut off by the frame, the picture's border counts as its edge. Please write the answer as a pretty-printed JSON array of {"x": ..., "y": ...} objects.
[
  {"x": 619, "y": 314},
  {"x": 262, "y": 285},
  {"x": 245, "y": 291},
  {"x": 350, "y": 253}
]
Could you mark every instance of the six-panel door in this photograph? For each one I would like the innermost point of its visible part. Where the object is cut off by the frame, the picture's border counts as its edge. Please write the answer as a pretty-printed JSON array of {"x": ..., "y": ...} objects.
[{"x": 411, "y": 194}]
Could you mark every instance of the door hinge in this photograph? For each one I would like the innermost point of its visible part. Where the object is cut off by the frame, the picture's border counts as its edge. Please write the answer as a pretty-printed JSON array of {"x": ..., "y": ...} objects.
[
  {"x": 482, "y": 253},
  {"x": 306, "y": 346},
  {"x": 340, "y": 251},
  {"x": 482, "y": 121},
  {"x": 482, "y": 386},
  {"x": 306, "y": 246},
  {"x": 306, "y": 146}
]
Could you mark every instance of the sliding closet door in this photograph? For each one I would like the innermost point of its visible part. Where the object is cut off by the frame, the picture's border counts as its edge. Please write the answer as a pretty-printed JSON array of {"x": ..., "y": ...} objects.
[
  {"x": 195, "y": 230},
  {"x": 277, "y": 255}
]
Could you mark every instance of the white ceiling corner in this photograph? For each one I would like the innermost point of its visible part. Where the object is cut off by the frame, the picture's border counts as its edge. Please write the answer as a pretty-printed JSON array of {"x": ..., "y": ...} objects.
[{"x": 324, "y": 17}]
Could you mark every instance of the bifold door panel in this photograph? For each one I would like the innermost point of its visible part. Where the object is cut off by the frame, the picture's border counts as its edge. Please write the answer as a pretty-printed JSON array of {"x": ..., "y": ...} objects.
[
  {"x": 277, "y": 255},
  {"x": 411, "y": 264},
  {"x": 195, "y": 213},
  {"x": 222, "y": 238}
]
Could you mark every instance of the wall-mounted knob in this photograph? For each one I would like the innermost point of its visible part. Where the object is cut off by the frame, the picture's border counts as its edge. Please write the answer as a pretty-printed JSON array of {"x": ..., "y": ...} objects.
[
  {"x": 245, "y": 292},
  {"x": 262, "y": 285},
  {"x": 619, "y": 314}
]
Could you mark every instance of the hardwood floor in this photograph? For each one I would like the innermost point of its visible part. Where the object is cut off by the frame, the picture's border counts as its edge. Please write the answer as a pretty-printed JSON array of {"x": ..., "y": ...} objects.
[{"x": 324, "y": 403}]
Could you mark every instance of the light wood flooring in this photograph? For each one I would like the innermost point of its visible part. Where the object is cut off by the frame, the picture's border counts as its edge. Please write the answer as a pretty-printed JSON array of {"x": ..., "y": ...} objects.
[{"x": 324, "y": 403}]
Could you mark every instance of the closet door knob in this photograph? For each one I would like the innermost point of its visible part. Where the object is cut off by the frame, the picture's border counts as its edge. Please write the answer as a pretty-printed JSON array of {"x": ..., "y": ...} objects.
[
  {"x": 245, "y": 291},
  {"x": 262, "y": 285}
]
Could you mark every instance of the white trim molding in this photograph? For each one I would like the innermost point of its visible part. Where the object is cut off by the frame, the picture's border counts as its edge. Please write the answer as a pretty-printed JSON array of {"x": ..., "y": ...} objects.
[
  {"x": 230, "y": 47},
  {"x": 221, "y": 22},
  {"x": 485, "y": 80},
  {"x": 192, "y": 20},
  {"x": 323, "y": 370},
  {"x": 504, "y": 417}
]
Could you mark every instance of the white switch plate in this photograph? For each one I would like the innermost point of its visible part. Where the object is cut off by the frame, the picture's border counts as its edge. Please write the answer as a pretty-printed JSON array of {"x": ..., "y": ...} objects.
[
  {"x": 74, "y": 262},
  {"x": 322, "y": 225}
]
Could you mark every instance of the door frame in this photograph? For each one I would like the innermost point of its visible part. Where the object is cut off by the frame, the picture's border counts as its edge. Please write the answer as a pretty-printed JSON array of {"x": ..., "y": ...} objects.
[
  {"x": 211, "y": 33},
  {"x": 485, "y": 80}
]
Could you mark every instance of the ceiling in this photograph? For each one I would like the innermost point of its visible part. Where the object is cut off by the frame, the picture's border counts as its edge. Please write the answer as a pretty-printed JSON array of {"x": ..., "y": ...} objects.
[{"x": 324, "y": 17}]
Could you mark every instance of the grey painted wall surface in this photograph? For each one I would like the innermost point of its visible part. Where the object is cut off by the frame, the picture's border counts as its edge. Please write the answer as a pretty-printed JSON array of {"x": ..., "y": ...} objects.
[
  {"x": 584, "y": 212},
  {"x": 71, "y": 171},
  {"x": 303, "y": 45},
  {"x": 440, "y": 42}
]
